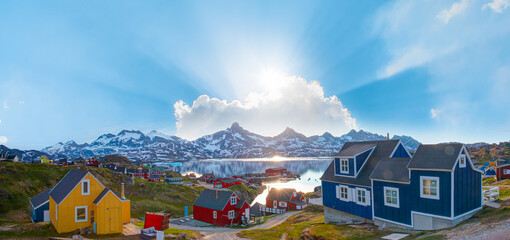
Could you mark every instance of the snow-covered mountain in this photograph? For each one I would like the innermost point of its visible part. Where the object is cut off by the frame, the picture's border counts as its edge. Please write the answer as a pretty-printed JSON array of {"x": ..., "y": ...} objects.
[{"x": 233, "y": 142}]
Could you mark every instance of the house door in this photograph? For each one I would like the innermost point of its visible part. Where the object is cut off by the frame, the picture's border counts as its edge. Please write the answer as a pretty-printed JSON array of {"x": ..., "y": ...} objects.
[
  {"x": 115, "y": 220},
  {"x": 247, "y": 214},
  {"x": 46, "y": 215}
]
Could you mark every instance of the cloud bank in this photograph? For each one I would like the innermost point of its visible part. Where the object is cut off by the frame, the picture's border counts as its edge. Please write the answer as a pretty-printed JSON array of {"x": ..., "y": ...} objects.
[
  {"x": 446, "y": 14},
  {"x": 288, "y": 101},
  {"x": 497, "y": 5}
]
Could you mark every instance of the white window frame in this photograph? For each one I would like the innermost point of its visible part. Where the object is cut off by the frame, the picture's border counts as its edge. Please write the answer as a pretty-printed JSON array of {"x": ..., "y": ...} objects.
[
  {"x": 397, "y": 205},
  {"x": 346, "y": 193},
  {"x": 231, "y": 214},
  {"x": 429, "y": 196},
  {"x": 346, "y": 161},
  {"x": 506, "y": 171},
  {"x": 275, "y": 204},
  {"x": 367, "y": 197},
  {"x": 233, "y": 201},
  {"x": 215, "y": 215},
  {"x": 282, "y": 204},
  {"x": 88, "y": 187},
  {"x": 462, "y": 157},
  {"x": 294, "y": 194},
  {"x": 76, "y": 213}
]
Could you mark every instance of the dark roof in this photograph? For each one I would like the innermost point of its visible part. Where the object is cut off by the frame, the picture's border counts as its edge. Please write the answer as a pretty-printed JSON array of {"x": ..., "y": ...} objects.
[
  {"x": 41, "y": 198},
  {"x": 132, "y": 170},
  {"x": 255, "y": 209},
  {"x": 435, "y": 156},
  {"x": 392, "y": 169},
  {"x": 280, "y": 194},
  {"x": 207, "y": 199},
  {"x": 101, "y": 195},
  {"x": 66, "y": 185},
  {"x": 383, "y": 150},
  {"x": 240, "y": 203},
  {"x": 120, "y": 169},
  {"x": 354, "y": 150}
]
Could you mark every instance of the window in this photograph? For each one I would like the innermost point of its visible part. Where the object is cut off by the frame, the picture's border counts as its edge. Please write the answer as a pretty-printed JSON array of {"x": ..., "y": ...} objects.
[
  {"x": 462, "y": 161},
  {"x": 275, "y": 203},
  {"x": 506, "y": 171},
  {"x": 294, "y": 194},
  {"x": 344, "y": 166},
  {"x": 80, "y": 214},
  {"x": 231, "y": 214},
  {"x": 429, "y": 187},
  {"x": 233, "y": 200},
  {"x": 85, "y": 187},
  {"x": 362, "y": 197},
  {"x": 343, "y": 193},
  {"x": 283, "y": 204},
  {"x": 214, "y": 214},
  {"x": 391, "y": 197}
]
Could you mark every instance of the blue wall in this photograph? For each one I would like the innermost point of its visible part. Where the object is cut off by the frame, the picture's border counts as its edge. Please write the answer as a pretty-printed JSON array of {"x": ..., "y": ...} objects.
[
  {"x": 442, "y": 206},
  {"x": 38, "y": 214},
  {"x": 400, "y": 152},
  {"x": 351, "y": 167},
  {"x": 467, "y": 191},
  {"x": 362, "y": 158},
  {"x": 330, "y": 200},
  {"x": 402, "y": 214}
]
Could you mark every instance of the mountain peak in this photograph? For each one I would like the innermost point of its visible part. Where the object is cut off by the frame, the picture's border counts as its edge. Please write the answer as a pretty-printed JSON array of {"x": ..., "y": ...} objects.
[{"x": 236, "y": 127}]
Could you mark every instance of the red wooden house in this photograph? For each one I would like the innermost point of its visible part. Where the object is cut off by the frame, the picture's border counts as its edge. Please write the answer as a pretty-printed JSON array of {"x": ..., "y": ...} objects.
[
  {"x": 503, "y": 171},
  {"x": 208, "y": 177},
  {"x": 285, "y": 198},
  {"x": 156, "y": 178},
  {"x": 92, "y": 162},
  {"x": 275, "y": 171},
  {"x": 225, "y": 183},
  {"x": 142, "y": 173},
  {"x": 221, "y": 208}
]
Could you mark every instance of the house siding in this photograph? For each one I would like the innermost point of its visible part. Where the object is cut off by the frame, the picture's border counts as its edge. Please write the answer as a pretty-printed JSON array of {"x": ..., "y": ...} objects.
[
  {"x": 330, "y": 200},
  {"x": 442, "y": 206},
  {"x": 351, "y": 167},
  {"x": 400, "y": 152},
  {"x": 401, "y": 214},
  {"x": 467, "y": 192},
  {"x": 361, "y": 159},
  {"x": 38, "y": 214}
]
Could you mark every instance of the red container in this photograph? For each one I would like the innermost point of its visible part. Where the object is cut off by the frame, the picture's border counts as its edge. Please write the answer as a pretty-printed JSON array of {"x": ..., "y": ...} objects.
[{"x": 157, "y": 220}]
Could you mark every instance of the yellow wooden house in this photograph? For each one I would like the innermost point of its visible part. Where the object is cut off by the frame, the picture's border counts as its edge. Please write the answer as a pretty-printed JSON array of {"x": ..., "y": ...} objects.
[{"x": 79, "y": 201}]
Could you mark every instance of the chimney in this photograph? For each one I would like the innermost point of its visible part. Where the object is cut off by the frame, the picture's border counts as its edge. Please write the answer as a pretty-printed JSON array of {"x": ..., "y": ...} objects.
[
  {"x": 387, "y": 136},
  {"x": 122, "y": 191}
]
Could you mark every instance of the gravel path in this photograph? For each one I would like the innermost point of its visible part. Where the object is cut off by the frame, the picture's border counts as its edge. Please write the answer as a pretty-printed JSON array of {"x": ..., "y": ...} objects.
[
  {"x": 478, "y": 231},
  {"x": 230, "y": 233}
]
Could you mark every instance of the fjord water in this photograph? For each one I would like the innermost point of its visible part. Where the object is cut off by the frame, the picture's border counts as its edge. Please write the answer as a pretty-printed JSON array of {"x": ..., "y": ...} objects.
[{"x": 311, "y": 169}]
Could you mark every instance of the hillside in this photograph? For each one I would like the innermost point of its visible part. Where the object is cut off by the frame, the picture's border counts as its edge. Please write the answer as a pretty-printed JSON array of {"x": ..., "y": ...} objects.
[{"x": 21, "y": 181}]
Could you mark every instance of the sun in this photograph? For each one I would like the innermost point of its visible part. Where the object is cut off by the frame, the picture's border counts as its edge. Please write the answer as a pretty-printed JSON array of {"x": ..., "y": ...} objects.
[{"x": 272, "y": 80}]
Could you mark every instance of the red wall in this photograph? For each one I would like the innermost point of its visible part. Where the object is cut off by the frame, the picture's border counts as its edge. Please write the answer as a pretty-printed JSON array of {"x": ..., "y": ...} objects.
[
  {"x": 206, "y": 215},
  {"x": 500, "y": 172},
  {"x": 290, "y": 206}
]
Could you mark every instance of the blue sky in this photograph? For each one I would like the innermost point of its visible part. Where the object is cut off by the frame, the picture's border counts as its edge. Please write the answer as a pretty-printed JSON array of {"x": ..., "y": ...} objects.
[{"x": 435, "y": 70}]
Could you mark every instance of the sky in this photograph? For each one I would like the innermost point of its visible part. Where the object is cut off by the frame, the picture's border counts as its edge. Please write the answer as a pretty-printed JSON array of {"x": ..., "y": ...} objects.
[{"x": 438, "y": 71}]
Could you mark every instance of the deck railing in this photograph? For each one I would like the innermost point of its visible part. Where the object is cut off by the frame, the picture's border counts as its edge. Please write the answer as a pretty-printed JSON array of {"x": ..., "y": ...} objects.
[
  {"x": 272, "y": 210},
  {"x": 490, "y": 193}
]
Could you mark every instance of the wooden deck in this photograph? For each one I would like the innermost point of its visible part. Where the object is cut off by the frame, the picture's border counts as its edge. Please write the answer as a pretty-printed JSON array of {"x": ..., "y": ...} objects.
[{"x": 130, "y": 230}]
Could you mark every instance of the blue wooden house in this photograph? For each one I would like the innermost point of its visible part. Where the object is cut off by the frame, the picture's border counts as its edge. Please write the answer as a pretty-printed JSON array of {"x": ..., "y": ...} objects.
[
  {"x": 381, "y": 183},
  {"x": 40, "y": 207}
]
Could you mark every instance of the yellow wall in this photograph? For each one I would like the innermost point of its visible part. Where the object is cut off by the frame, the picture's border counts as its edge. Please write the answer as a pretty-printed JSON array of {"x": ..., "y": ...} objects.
[
  {"x": 109, "y": 215},
  {"x": 126, "y": 211},
  {"x": 52, "y": 213},
  {"x": 66, "y": 209}
]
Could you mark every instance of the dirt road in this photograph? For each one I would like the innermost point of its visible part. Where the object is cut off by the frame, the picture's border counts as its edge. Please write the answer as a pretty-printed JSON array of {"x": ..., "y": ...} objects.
[{"x": 230, "y": 233}]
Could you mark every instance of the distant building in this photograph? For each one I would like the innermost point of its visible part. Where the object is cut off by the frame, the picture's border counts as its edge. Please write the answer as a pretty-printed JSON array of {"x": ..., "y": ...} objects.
[
  {"x": 9, "y": 158},
  {"x": 285, "y": 198},
  {"x": 225, "y": 183},
  {"x": 275, "y": 171}
]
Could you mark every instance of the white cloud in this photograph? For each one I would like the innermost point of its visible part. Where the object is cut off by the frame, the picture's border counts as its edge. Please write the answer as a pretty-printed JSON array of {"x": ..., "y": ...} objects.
[
  {"x": 293, "y": 102},
  {"x": 3, "y": 139},
  {"x": 446, "y": 14},
  {"x": 434, "y": 113},
  {"x": 412, "y": 57},
  {"x": 497, "y": 5}
]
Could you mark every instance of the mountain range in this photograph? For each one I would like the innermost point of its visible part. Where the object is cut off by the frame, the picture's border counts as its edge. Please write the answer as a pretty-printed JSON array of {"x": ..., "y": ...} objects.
[{"x": 233, "y": 142}]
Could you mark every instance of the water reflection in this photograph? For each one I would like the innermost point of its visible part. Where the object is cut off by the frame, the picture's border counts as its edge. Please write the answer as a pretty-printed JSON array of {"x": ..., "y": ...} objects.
[
  {"x": 230, "y": 167},
  {"x": 308, "y": 181}
]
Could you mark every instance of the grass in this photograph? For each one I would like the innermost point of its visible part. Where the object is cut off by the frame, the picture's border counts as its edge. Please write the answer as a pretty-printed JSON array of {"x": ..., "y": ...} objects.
[
  {"x": 174, "y": 231},
  {"x": 309, "y": 224}
]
